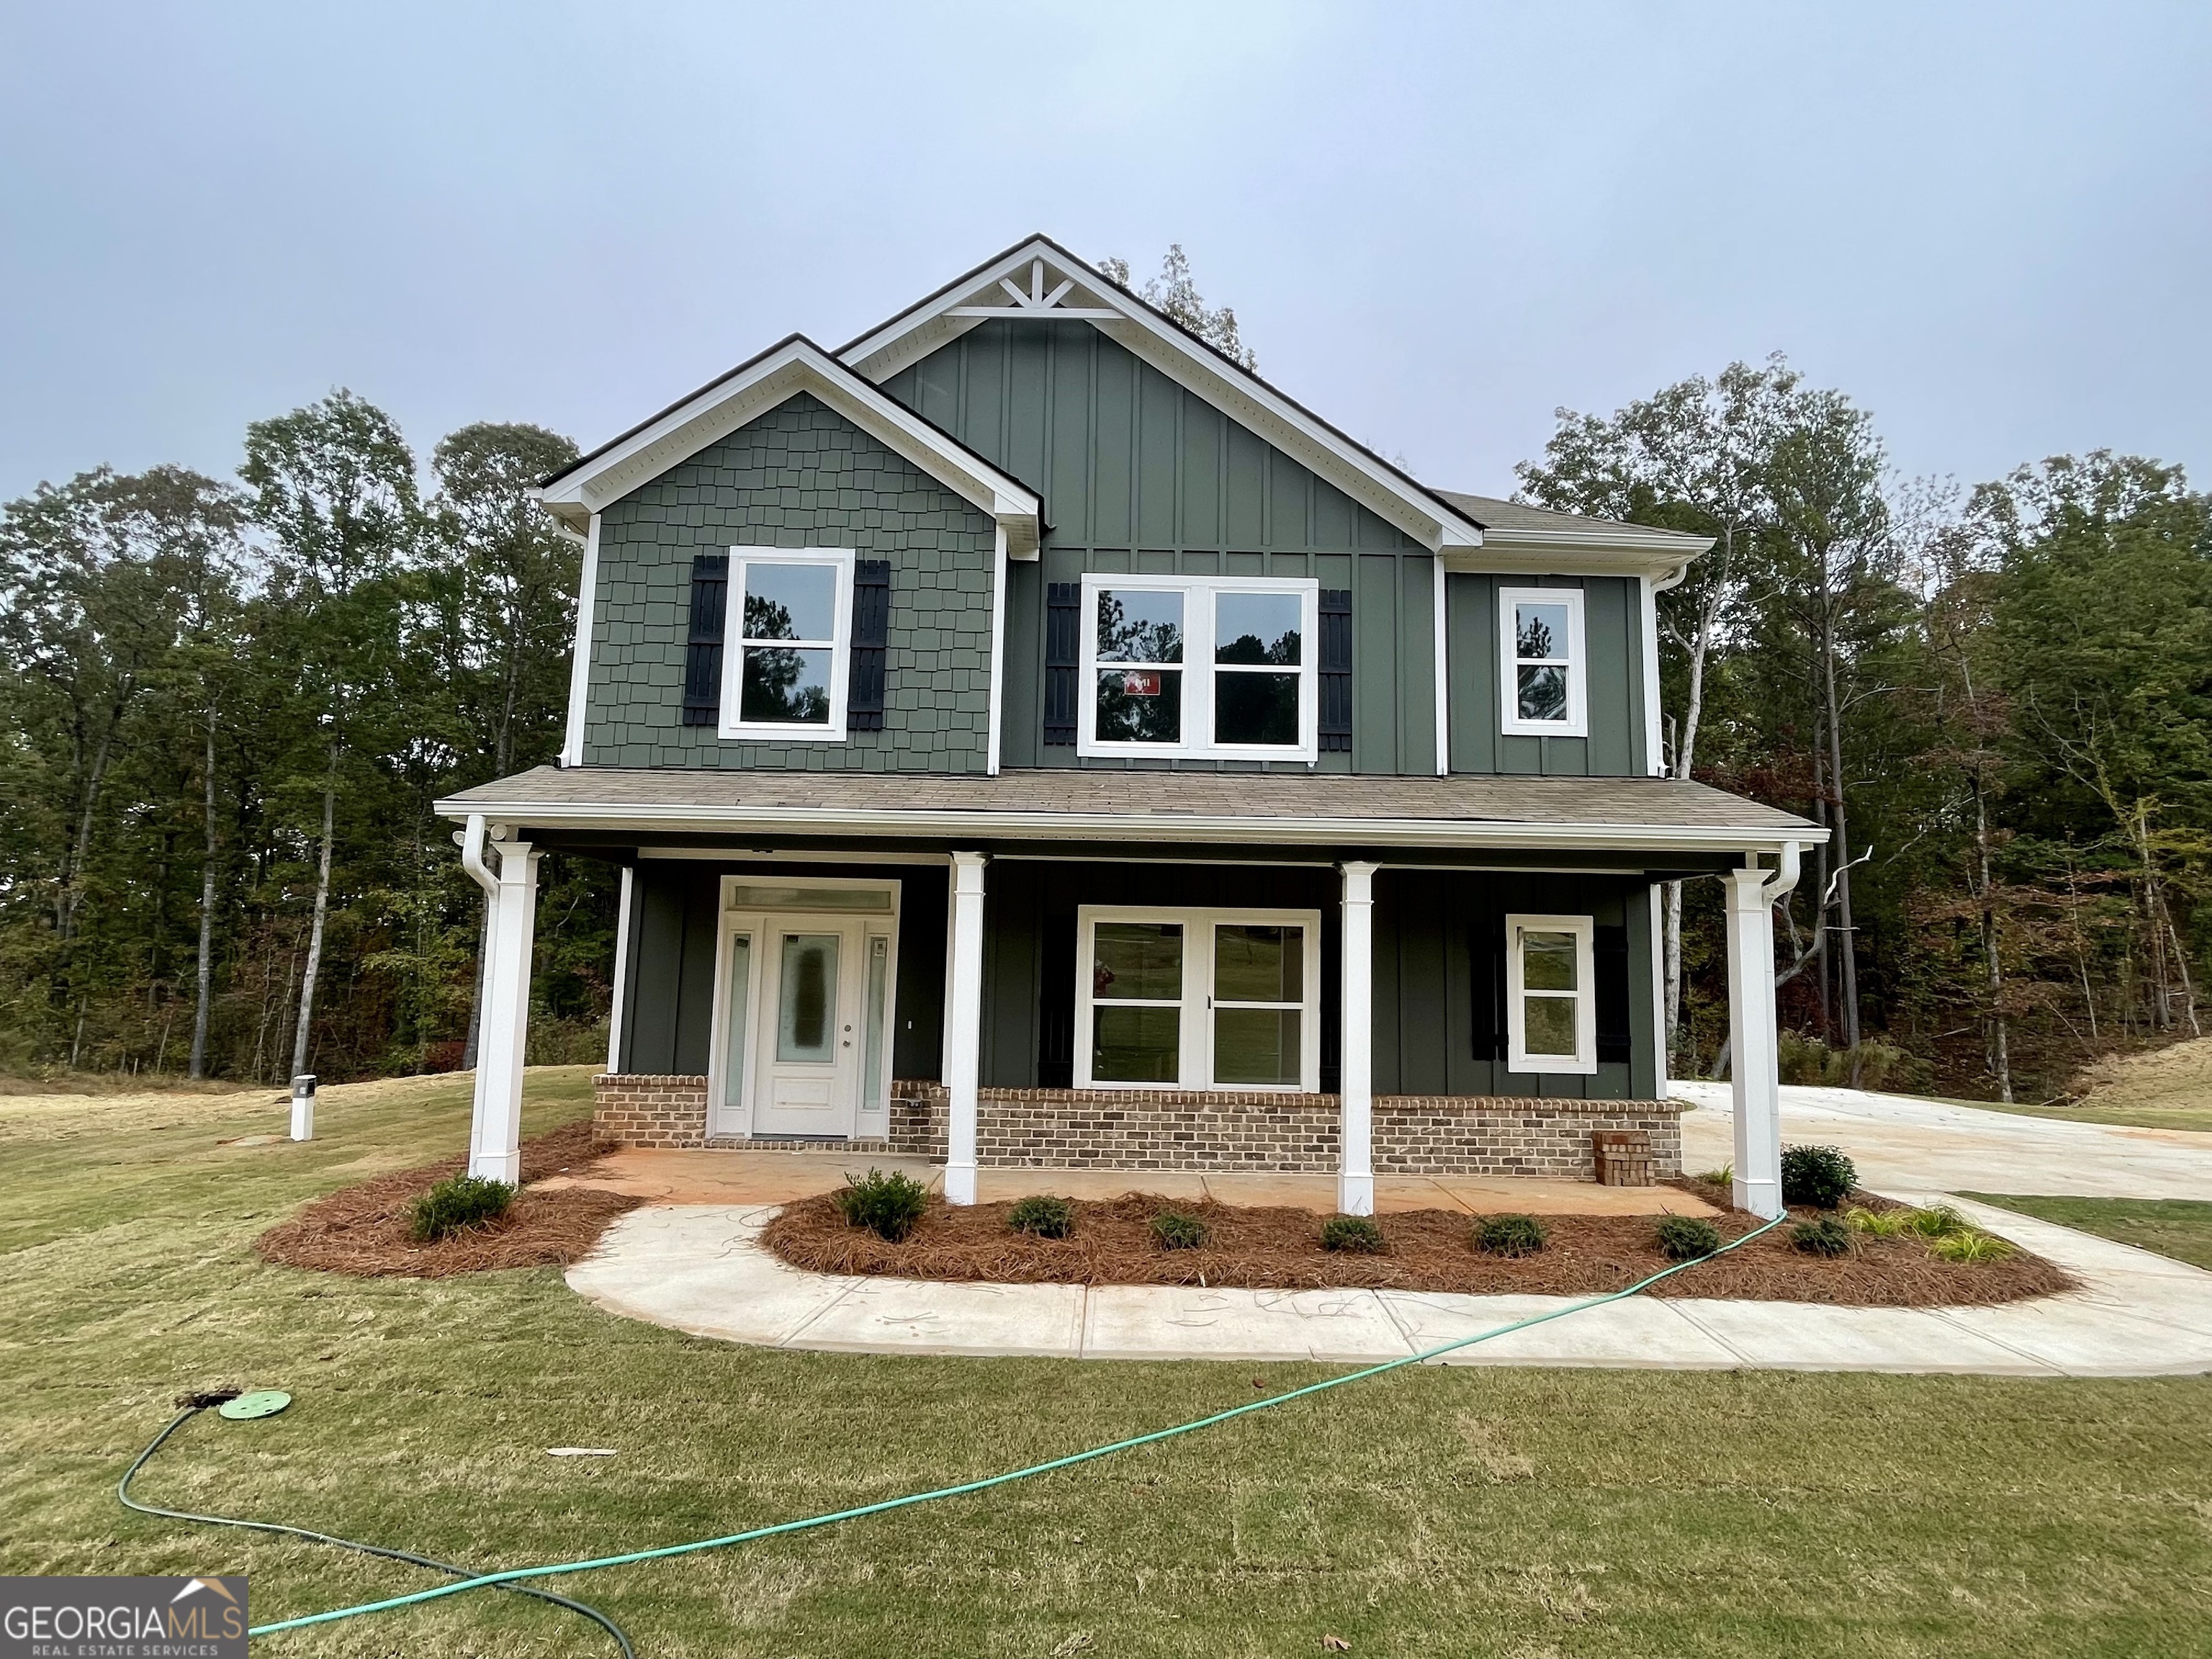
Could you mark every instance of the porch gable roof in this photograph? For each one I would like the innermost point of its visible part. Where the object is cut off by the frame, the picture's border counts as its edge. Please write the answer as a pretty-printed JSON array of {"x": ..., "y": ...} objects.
[{"x": 1462, "y": 810}]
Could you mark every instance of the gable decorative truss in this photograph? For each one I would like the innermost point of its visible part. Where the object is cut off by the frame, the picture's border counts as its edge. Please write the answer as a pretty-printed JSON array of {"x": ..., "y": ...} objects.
[
  {"x": 1040, "y": 281},
  {"x": 750, "y": 390}
]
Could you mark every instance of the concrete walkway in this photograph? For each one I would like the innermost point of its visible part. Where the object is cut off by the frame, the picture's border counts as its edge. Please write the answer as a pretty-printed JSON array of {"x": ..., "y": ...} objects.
[
  {"x": 1898, "y": 1140},
  {"x": 699, "y": 1268}
]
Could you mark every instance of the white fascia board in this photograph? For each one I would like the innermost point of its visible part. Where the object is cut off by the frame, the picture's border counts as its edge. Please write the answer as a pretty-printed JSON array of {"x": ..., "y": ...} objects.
[
  {"x": 774, "y": 378},
  {"x": 1243, "y": 396},
  {"x": 1143, "y": 827},
  {"x": 1512, "y": 553}
]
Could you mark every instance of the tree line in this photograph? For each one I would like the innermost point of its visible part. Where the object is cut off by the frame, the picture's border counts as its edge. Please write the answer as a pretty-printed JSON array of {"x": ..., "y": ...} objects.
[
  {"x": 229, "y": 704},
  {"x": 1996, "y": 698}
]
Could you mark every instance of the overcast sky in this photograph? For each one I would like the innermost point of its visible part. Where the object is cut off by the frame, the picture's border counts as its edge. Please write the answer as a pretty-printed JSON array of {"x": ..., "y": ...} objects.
[{"x": 1990, "y": 225}]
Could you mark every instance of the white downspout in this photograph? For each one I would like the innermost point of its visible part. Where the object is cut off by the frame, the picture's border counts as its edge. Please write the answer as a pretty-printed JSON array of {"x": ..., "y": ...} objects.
[{"x": 472, "y": 860}]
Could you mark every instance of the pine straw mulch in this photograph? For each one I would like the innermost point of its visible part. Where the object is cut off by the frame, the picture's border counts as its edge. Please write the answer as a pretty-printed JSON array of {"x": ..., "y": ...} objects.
[
  {"x": 1280, "y": 1249},
  {"x": 362, "y": 1228}
]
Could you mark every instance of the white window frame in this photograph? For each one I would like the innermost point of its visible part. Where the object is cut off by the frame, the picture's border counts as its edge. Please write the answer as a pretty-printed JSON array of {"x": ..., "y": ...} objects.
[
  {"x": 1198, "y": 667},
  {"x": 1583, "y": 1062},
  {"x": 1510, "y": 661},
  {"x": 840, "y": 646},
  {"x": 1195, "y": 1048}
]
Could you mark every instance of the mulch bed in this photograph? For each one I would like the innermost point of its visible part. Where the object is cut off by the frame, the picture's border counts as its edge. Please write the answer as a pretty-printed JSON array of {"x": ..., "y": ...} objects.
[
  {"x": 362, "y": 1230},
  {"x": 1280, "y": 1249}
]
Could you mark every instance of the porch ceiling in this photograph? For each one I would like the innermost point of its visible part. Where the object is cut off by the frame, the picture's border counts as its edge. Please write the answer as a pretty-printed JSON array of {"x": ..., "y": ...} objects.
[{"x": 1281, "y": 809}]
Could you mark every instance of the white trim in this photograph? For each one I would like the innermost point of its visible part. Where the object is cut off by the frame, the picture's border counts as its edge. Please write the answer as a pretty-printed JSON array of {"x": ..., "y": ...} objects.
[
  {"x": 1194, "y": 1048},
  {"x": 962, "y": 1065},
  {"x": 1577, "y": 662},
  {"x": 1306, "y": 830},
  {"x": 579, "y": 665},
  {"x": 1583, "y": 1062},
  {"x": 749, "y": 391},
  {"x": 838, "y": 645},
  {"x": 787, "y": 855},
  {"x": 1198, "y": 668},
  {"x": 1439, "y": 656},
  {"x": 1355, "y": 1179},
  {"x": 1247, "y": 400},
  {"x": 1654, "y": 748},
  {"x": 622, "y": 970},
  {"x": 997, "y": 718}
]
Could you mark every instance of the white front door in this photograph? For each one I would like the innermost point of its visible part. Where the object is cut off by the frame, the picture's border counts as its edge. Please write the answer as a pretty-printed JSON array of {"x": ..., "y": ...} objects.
[{"x": 807, "y": 1050}]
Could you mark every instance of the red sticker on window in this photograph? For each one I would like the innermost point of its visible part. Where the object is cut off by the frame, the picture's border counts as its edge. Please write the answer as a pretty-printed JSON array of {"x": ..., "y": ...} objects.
[{"x": 1137, "y": 683}]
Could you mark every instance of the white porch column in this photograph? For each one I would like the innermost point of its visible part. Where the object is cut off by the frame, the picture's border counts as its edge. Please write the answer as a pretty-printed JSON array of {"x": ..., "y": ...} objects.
[
  {"x": 1355, "y": 1180},
  {"x": 496, "y": 1136},
  {"x": 1753, "y": 1081},
  {"x": 963, "y": 1033}
]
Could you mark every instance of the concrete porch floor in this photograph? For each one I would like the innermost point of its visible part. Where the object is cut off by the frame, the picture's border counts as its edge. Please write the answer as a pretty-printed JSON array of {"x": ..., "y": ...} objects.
[{"x": 738, "y": 1176}]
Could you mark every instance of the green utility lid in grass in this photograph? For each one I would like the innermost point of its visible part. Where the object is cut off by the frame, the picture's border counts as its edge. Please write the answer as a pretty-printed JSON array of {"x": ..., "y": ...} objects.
[{"x": 261, "y": 1402}]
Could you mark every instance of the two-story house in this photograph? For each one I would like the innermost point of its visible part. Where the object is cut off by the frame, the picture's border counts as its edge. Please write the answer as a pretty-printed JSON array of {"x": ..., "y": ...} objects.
[{"x": 1030, "y": 738}]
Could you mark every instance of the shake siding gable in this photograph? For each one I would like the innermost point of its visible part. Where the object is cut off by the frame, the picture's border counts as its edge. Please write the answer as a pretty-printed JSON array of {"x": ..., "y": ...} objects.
[{"x": 800, "y": 475}]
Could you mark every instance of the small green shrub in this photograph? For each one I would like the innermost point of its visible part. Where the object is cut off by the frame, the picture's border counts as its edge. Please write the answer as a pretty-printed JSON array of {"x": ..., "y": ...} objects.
[
  {"x": 456, "y": 1203},
  {"x": 1804, "y": 1060},
  {"x": 1879, "y": 1223},
  {"x": 1353, "y": 1233},
  {"x": 1172, "y": 1229},
  {"x": 1970, "y": 1246},
  {"x": 1043, "y": 1216},
  {"x": 889, "y": 1205},
  {"x": 1724, "y": 1176},
  {"x": 1509, "y": 1235},
  {"x": 1824, "y": 1236},
  {"x": 1820, "y": 1175},
  {"x": 1685, "y": 1237},
  {"x": 1939, "y": 1222}
]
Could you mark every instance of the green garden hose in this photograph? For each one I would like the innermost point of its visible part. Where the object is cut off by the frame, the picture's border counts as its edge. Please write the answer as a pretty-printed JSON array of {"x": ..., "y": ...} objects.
[
  {"x": 192, "y": 1404},
  {"x": 511, "y": 1577}
]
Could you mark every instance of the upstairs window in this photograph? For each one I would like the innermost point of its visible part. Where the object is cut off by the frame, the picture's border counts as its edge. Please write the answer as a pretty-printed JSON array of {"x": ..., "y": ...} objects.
[
  {"x": 1542, "y": 690},
  {"x": 1550, "y": 998},
  {"x": 1200, "y": 667},
  {"x": 786, "y": 662}
]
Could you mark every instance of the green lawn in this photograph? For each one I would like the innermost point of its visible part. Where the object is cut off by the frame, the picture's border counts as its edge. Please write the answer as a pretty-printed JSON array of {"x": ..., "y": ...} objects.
[
  {"x": 1437, "y": 1511},
  {"x": 2179, "y": 1227}
]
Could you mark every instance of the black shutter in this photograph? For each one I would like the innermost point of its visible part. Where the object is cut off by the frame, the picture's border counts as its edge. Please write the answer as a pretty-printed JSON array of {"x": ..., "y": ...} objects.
[
  {"x": 702, "y": 644},
  {"x": 1487, "y": 939},
  {"x": 1336, "y": 670},
  {"x": 871, "y": 634},
  {"x": 1609, "y": 960},
  {"x": 1063, "y": 614}
]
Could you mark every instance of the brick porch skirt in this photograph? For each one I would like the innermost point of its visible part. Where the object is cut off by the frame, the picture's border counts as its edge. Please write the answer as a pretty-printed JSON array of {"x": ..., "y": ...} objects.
[{"x": 1190, "y": 1129}]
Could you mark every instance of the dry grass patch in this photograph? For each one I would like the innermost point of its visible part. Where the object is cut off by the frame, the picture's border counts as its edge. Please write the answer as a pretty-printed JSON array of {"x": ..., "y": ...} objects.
[{"x": 1112, "y": 1243}]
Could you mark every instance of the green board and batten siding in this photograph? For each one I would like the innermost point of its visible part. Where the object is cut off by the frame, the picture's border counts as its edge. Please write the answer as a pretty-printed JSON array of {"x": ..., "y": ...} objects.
[
  {"x": 1140, "y": 476},
  {"x": 1612, "y": 640},
  {"x": 800, "y": 476}
]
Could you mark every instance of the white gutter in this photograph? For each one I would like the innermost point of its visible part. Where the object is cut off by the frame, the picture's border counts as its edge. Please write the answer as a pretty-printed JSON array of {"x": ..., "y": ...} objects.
[
  {"x": 473, "y": 846},
  {"x": 1209, "y": 828}
]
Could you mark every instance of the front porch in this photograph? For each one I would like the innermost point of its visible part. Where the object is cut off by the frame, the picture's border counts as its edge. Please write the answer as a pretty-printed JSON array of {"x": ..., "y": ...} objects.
[{"x": 1281, "y": 997}]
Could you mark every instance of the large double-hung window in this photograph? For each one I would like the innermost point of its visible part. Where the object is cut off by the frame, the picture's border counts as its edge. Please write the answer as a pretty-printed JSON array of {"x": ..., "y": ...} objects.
[
  {"x": 1540, "y": 651},
  {"x": 1200, "y": 667},
  {"x": 787, "y": 643},
  {"x": 1196, "y": 999}
]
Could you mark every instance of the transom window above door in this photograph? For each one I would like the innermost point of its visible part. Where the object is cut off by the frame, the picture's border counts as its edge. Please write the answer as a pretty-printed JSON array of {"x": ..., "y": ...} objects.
[
  {"x": 1196, "y": 999},
  {"x": 790, "y": 637},
  {"x": 1200, "y": 667}
]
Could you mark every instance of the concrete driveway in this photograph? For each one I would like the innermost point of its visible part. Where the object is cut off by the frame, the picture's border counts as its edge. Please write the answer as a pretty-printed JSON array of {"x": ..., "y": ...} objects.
[{"x": 1899, "y": 1142}]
